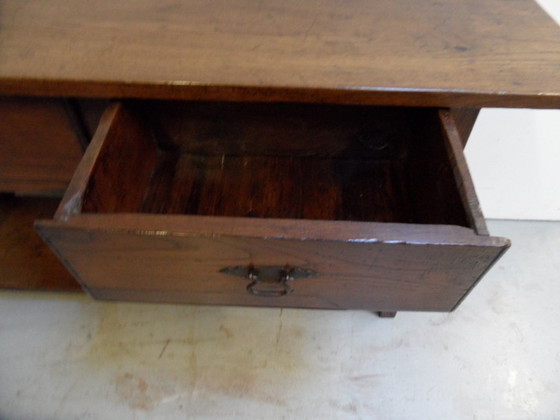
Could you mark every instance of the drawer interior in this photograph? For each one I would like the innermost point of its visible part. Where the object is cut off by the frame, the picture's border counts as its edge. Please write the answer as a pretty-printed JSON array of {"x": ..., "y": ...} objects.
[{"x": 278, "y": 160}]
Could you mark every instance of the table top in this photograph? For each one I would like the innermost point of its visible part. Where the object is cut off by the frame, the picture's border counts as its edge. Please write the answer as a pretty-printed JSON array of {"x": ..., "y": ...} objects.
[{"x": 388, "y": 52}]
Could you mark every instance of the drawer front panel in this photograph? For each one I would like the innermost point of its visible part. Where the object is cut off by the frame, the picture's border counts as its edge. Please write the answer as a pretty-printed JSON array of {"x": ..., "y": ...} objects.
[
  {"x": 25, "y": 261},
  {"x": 163, "y": 266},
  {"x": 39, "y": 149}
]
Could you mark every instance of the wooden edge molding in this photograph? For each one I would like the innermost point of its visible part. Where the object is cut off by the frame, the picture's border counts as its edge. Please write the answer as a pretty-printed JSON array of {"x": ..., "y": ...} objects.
[
  {"x": 498, "y": 257},
  {"x": 344, "y": 95}
]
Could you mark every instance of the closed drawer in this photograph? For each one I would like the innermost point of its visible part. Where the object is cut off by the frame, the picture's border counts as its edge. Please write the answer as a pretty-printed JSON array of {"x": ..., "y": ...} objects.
[
  {"x": 293, "y": 205},
  {"x": 25, "y": 260},
  {"x": 39, "y": 147}
]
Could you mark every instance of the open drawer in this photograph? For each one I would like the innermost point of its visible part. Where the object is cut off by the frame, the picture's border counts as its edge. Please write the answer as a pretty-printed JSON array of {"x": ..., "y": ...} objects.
[{"x": 315, "y": 206}]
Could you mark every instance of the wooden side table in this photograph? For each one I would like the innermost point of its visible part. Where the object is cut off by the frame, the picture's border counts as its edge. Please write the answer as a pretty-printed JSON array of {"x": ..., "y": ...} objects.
[{"x": 295, "y": 154}]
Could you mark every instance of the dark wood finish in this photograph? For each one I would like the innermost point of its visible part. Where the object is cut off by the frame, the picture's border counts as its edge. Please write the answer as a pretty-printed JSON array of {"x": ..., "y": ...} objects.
[
  {"x": 464, "y": 119},
  {"x": 115, "y": 169},
  {"x": 284, "y": 187},
  {"x": 426, "y": 53},
  {"x": 123, "y": 167},
  {"x": 26, "y": 262},
  {"x": 278, "y": 161},
  {"x": 150, "y": 263},
  {"x": 257, "y": 227},
  {"x": 90, "y": 111},
  {"x": 279, "y": 129},
  {"x": 39, "y": 149},
  {"x": 169, "y": 192},
  {"x": 117, "y": 254}
]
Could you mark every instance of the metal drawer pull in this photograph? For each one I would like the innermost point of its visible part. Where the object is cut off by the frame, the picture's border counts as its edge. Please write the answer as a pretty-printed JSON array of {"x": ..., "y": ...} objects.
[{"x": 269, "y": 281}]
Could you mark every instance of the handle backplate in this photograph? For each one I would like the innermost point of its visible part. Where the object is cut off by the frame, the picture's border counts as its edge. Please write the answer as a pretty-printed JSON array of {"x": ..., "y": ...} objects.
[{"x": 269, "y": 281}]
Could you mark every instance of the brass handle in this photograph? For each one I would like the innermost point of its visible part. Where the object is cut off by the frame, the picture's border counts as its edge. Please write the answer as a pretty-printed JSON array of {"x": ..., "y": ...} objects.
[{"x": 269, "y": 281}]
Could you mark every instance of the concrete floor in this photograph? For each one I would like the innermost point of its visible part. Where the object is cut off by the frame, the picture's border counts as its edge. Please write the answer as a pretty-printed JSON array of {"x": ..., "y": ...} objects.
[{"x": 496, "y": 357}]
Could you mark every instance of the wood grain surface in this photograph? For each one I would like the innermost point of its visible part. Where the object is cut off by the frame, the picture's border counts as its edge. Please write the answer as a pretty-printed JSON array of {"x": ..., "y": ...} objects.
[
  {"x": 26, "y": 262},
  {"x": 464, "y": 119},
  {"x": 117, "y": 258},
  {"x": 105, "y": 238},
  {"x": 271, "y": 161},
  {"x": 39, "y": 147},
  {"x": 461, "y": 173},
  {"x": 422, "y": 53}
]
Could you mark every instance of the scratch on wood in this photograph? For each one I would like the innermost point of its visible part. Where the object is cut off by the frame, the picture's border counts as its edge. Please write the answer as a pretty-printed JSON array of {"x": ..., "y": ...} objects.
[{"x": 308, "y": 31}]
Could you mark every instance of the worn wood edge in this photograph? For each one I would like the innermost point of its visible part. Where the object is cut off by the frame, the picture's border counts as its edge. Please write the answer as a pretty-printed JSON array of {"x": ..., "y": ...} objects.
[
  {"x": 174, "y": 297},
  {"x": 157, "y": 296},
  {"x": 178, "y": 297},
  {"x": 45, "y": 237},
  {"x": 461, "y": 172},
  {"x": 349, "y": 95},
  {"x": 280, "y": 229},
  {"x": 71, "y": 203},
  {"x": 501, "y": 253}
]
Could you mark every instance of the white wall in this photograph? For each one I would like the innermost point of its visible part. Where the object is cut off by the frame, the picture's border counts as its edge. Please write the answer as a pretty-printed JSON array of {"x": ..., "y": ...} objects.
[{"x": 514, "y": 157}]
